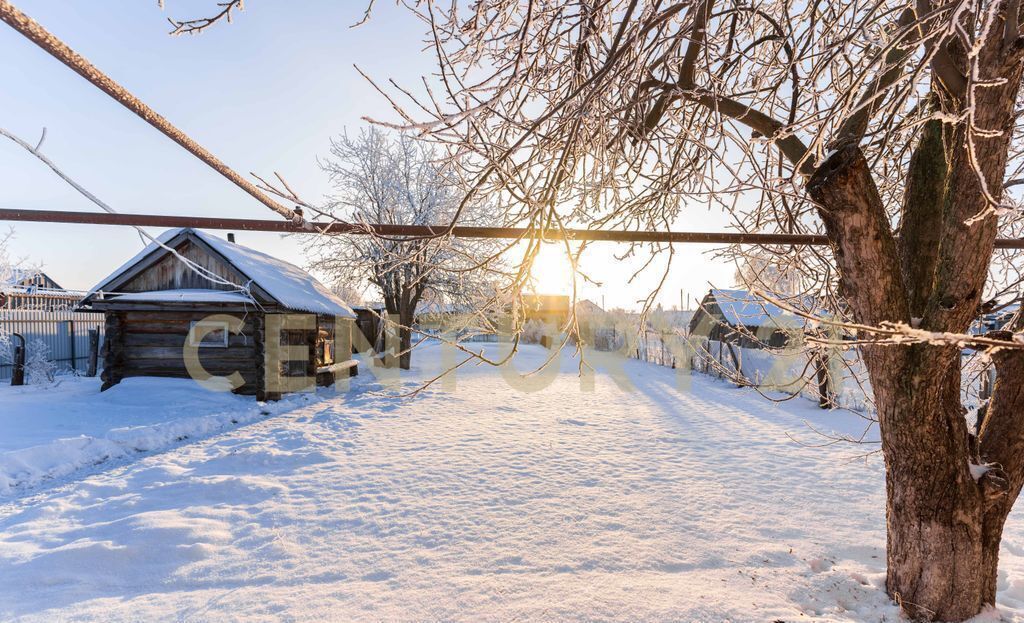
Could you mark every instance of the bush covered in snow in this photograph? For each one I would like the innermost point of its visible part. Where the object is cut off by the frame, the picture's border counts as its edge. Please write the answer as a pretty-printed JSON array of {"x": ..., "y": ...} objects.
[
  {"x": 533, "y": 331},
  {"x": 39, "y": 368}
]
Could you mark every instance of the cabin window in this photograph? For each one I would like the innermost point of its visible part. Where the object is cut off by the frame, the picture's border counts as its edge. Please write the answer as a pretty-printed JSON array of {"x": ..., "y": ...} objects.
[{"x": 216, "y": 334}]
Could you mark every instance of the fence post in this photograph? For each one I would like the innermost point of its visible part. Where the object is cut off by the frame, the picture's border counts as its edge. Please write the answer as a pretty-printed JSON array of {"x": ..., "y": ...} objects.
[
  {"x": 826, "y": 397},
  {"x": 18, "y": 374},
  {"x": 94, "y": 349},
  {"x": 739, "y": 366},
  {"x": 71, "y": 339}
]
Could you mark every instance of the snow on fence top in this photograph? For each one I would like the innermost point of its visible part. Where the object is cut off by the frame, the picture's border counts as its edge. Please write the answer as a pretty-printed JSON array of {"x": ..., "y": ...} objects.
[{"x": 289, "y": 285}]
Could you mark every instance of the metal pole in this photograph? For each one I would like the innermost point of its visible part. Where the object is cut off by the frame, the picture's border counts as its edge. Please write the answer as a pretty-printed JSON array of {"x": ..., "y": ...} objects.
[
  {"x": 71, "y": 339},
  {"x": 18, "y": 373},
  {"x": 511, "y": 233}
]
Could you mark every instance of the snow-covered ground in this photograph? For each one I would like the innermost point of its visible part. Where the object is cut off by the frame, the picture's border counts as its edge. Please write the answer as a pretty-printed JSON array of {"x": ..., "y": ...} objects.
[
  {"x": 639, "y": 501},
  {"x": 48, "y": 433}
]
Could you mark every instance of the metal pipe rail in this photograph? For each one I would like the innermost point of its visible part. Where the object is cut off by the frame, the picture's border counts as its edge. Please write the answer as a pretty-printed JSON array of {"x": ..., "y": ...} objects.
[{"x": 512, "y": 233}]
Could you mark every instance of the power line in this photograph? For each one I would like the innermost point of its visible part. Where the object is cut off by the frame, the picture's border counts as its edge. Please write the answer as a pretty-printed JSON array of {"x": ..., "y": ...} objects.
[{"x": 35, "y": 33}]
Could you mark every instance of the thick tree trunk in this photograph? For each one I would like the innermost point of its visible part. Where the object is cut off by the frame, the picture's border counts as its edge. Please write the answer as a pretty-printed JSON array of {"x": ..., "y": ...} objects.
[
  {"x": 943, "y": 539},
  {"x": 943, "y": 525},
  {"x": 405, "y": 341}
]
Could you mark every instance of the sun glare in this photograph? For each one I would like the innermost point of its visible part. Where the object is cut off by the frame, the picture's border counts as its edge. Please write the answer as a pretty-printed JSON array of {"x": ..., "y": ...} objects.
[{"x": 551, "y": 271}]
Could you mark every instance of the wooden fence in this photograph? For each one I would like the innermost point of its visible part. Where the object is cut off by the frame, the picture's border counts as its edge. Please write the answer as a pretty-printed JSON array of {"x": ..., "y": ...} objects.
[{"x": 48, "y": 316}]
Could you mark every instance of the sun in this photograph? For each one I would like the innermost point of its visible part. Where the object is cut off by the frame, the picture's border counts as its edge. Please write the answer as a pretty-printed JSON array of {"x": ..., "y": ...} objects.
[{"x": 551, "y": 272}]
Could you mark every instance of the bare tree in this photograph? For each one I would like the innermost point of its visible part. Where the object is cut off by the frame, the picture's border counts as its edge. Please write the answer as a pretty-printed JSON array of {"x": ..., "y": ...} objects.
[
  {"x": 348, "y": 291},
  {"x": 6, "y": 262},
  {"x": 892, "y": 127},
  {"x": 779, "y": 273},
  {"x": 398, "y": 181}
]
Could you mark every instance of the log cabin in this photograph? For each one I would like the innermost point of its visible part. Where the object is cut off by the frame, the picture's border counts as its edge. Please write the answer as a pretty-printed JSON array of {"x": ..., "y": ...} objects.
[
  {"x": 193, "y": 305},
  {"x": 739, "y": 317}
]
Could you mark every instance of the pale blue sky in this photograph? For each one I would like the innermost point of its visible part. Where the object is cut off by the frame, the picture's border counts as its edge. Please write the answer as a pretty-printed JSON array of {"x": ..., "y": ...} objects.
[{"x": 264, "y": 93}]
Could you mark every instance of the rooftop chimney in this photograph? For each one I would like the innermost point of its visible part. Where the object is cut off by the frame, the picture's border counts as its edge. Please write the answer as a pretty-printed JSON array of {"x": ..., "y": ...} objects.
[{"x": 231, "y": 237}]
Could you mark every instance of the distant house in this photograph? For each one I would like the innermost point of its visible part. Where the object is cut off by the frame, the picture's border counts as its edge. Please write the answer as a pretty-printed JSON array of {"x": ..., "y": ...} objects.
[
  {"x": 39, "y": 311},
  {"x": 32, "y": 289},
  {"x": 550, "y": 308},
  {"x": 586, "y": 307},
  {"x": 994, "y": 321},
  {"x": 193, "y": 305},
  {"x": 736, "y": 315},
  {"x": 435, "y": 317},
  {"x": 28, "y": 278}
]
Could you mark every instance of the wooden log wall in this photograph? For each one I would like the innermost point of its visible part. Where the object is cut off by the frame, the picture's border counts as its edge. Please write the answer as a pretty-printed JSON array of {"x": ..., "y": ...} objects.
[
  {"x": 170, "y": 273},
  {"x": 152, "y": 344},
  {"x": 113, "y": 350},
  {"x": 259, "y": 335}
]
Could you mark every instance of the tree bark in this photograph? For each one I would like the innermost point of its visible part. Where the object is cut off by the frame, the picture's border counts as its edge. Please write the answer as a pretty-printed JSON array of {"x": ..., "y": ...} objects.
[
  {"x": 941, "y": 559},
  {"x": 403, "y": 306},
  {"x": 943, "y": 525}
]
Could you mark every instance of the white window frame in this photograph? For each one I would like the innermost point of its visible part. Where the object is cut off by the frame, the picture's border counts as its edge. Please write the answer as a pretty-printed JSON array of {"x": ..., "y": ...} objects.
[{"x": 217, "y": 325}]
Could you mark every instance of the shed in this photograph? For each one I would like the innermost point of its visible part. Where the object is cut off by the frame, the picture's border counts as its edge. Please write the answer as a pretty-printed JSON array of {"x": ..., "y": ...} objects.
[
  {"x": 733, "y": 315},
  {"x": 193, "y": 305},
  {"x": 370, "y": 320}
]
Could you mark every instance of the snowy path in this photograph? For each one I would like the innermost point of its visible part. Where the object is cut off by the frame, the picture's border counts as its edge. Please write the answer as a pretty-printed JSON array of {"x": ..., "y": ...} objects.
[{"x": 485, "y": 504}]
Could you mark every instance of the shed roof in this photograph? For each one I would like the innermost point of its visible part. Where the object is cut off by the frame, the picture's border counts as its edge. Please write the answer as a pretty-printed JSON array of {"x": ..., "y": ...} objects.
[
  {"x": 743, "y": 308},
  {"x": 287, "y": 284}
]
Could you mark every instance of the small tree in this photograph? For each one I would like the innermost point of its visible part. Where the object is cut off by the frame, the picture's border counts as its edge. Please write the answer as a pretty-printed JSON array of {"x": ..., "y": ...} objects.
[
  {"x": 348, "y": 292},
  {"x": 398, "y": 181},
  {"x": 39, "y": 368},
  {"x": 6, "y": 264},
  {"x": 6, "y": 277},
  {"x": 771, "y": 272}
]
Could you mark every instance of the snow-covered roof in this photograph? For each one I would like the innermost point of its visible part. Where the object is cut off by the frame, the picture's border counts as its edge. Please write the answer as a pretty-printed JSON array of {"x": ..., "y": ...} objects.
[
  {"x": 26, "y": 276},
  {"x": 186, "y": 296},
  {"x": 586, "y": 306},
  {"x": 742, "y": 308},
  {"x": 289, "y": 285}
]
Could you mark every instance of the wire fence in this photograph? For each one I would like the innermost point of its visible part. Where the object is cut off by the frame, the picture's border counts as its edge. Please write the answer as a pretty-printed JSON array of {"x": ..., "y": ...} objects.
[{"x": 832, "y": 378}]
